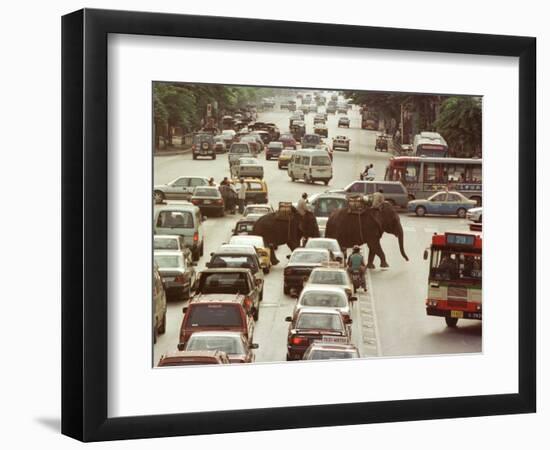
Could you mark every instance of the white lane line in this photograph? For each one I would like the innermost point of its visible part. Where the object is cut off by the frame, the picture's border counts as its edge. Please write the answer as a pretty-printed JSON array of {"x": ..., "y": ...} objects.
[{"x": 374, "y": 315}]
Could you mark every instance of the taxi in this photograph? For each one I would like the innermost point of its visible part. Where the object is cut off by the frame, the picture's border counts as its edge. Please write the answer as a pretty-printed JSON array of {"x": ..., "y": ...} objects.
[
  {"x": 256, "y": 190},
  {"x": 284, "y": 158}
]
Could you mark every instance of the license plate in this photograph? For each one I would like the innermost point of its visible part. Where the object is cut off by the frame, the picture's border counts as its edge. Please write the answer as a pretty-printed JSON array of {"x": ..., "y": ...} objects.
[
  {"x": 168, "y": 278},
  {"x": 334, "y": 340},
  {"x": 207, "y": 202},
  {"x": 457, "y": 314}
]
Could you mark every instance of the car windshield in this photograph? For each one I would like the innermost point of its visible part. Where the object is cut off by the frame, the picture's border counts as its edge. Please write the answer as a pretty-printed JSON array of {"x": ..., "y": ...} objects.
[
  {"x": 244, "y": 261},
  {"x": 326, "y": 277},
  {"x": 175, "y": 219},
  {"x": 324, "y": 299},
  {"x": 161, "y": 243},
  {"x": 224, "y": 283},
  {"x": 169, "y": 261},
  {"x": 248, "y": 161},
  {"x": 311, "y": 139},
  {"x": 214, "y": 315},
  {"x": 286, "y": 137},
  {"x": 309, "y": 257},
  {"x": 240, "y": 148},
  {"x": 319, "y": 321},
  {"x": 256, "y": 210},
  {"x": 320, "y": 161},
  {"x": 329, "y": 245},
  {"x": 324, "y": 206},
  {"x": 206, "y": 192},
  {"x": 331, "y": 354},
  {"x": 254, "y": 241},
  {"x": 231, "y": 345},
  {"x": 286, "y": 153}
]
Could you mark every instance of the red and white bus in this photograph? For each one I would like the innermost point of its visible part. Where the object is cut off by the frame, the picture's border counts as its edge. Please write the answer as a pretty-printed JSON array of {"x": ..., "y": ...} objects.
[
  {"x": 424, "y": 176},
  {"x": 454, "y": 280}
]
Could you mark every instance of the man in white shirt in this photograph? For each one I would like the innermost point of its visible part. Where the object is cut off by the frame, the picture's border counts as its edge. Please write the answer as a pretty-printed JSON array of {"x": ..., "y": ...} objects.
[
  {"x": 371, "y": 173},
  {"x": 242, "y": 195}
]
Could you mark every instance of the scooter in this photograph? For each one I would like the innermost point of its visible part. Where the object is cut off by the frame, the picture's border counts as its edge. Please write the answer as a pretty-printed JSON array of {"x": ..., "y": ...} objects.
[{"x": 358, "y": 280}]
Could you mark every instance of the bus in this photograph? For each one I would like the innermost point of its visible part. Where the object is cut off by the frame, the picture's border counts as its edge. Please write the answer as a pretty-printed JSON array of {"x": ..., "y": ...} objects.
[
  {"x": 424, "y": 176},
  {"x": 429, "y": 143},
  {"x": 454, "y": 279}
]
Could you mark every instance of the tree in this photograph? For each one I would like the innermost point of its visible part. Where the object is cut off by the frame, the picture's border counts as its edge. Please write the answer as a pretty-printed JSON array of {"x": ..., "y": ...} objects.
[{"x": 459, "y": 122}]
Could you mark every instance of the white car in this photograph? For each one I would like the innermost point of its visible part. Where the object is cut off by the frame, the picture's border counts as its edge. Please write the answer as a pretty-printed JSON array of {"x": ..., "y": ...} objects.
[
  {"x": 257, "y": 209},
  {"x": 179, "y": 189},
  {"x": 329, "y": 244},
  {"x": 323, "y": 296},
  {"x": 331, "y": 276},
  {"x": 474, "y": 214},
  {"x": 248, "y": 168}
]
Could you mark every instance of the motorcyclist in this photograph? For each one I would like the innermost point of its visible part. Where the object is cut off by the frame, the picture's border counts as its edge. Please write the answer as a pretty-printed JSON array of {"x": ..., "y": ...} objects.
[{"x": 356, "y": 263}]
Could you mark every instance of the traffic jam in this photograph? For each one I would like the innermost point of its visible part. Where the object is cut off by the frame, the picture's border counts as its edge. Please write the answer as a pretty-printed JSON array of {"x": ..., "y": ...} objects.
[{"x": 309, "y": 225}]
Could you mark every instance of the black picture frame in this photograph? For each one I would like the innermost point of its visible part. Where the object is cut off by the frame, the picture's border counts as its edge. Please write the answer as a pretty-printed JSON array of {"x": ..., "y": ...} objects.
[{"x": 84, "y": 224}]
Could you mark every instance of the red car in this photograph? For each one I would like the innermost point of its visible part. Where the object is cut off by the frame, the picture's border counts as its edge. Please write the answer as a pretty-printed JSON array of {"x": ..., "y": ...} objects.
[
  {"x": 193, "y": 358},
  {"x": 288, "y": 141}
]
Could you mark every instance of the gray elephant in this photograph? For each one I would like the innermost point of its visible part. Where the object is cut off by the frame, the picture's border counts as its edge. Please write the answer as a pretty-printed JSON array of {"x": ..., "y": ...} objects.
[
  {"x": 290, "y": 229},
  {"x": 367, "y": 227}
]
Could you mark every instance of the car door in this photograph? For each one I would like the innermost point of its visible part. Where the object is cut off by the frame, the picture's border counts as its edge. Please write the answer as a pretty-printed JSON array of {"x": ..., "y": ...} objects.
[
  {"x": 178, "y": 189},
  {"x": 193, "y": 183},
  {"x": 453, "y": 203},
  {"x": 437, "y": 204}
]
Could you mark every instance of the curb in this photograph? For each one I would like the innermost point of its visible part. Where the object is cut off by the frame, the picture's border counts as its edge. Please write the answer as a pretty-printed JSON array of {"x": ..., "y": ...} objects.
[{"x": 172, "y": 152}]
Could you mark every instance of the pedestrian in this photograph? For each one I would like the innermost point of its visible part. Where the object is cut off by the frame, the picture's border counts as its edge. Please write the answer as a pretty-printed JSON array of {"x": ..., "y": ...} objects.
[
  {"x": 378, "y": 199},
  {"x": 371, "y": 173},
  {"x": 211, "y": 182},
  {"x": 224, "y": 182},
  {"x": 241, "y": 194},
  {"x": 302, "y": 204}
]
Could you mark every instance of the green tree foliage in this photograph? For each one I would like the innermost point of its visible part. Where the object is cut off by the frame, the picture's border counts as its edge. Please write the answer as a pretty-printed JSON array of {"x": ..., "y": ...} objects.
[{"x": 459, "y": 122}]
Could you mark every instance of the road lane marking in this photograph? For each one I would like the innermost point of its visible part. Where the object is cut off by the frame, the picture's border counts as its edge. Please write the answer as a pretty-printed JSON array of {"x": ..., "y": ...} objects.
[{"x": 370, "y": 293}]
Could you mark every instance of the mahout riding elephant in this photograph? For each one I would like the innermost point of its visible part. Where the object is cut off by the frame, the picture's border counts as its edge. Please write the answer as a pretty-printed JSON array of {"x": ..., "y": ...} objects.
[
  {"x": 277, "y": 229},
  {"x": 367, "y": 227}
]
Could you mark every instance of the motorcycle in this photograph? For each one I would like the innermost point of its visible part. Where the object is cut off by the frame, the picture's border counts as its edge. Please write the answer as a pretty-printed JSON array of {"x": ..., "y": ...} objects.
[{"x": 358, "y": 280}]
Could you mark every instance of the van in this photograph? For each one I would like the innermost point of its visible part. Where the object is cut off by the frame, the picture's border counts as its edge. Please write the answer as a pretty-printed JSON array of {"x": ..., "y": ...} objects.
[
  {"x": 159, "y": 304},
  {"x": 310, "y": 165},
  {"x": 182, "y": 219},
  {"x": 394, "y": 191}
]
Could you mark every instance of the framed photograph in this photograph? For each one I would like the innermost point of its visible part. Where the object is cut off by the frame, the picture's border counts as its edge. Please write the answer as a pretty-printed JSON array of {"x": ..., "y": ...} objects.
[{"x": 273, "y": 225}]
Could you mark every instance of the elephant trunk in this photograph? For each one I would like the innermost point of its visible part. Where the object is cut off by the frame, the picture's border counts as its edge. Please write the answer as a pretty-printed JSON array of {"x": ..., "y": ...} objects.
[{"x": 400, "y": 239}]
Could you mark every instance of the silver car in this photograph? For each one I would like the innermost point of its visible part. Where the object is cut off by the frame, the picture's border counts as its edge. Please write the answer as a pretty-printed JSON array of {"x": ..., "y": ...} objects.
[
  {"x": 233, "y": 343},
  {"x": 248, "y": 168},
  {"x": 238, "y": 150},
  {"x": 328, "y": 243},
  {"x": 179, "y": 189},
  {"x": 331, "y": 276},
  {"x": 172, "y": 242},
  {"x": 474, "y": 214},
  {"x": 178, "y": 275},
  {"x": 323, "y": 296}
]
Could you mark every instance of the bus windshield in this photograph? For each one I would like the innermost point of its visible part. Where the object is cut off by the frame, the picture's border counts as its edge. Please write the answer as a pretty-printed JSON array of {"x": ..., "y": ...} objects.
[{"x": 452, "y": 265}]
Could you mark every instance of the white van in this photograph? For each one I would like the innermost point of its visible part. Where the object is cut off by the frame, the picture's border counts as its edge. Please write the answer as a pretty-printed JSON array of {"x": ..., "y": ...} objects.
[{"x": 310, "y": 165}]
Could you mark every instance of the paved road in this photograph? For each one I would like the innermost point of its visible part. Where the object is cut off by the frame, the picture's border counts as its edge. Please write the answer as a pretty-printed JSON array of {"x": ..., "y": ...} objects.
[{"x": 388, "y": 321}]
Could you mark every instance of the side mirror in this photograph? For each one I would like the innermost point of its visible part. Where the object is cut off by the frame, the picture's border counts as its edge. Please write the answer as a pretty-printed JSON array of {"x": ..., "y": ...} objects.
[
  {"x": 184, "y": 309},
  {"x": 353, "y": 298},
  {"x": 288, "y": 319},
  {"x": 253, "y": 346},
  {"x": 350, "y": 321},
  {"x": 425, "y": 254}
]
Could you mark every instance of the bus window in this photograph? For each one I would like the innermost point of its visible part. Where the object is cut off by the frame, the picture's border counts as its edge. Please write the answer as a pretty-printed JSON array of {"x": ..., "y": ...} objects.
[
  {"x": 430, "y": 173},
  {"x": 454, "y": 171},
  {"x": 475, "y": 174},
  {"x": 411, "y": 172}
]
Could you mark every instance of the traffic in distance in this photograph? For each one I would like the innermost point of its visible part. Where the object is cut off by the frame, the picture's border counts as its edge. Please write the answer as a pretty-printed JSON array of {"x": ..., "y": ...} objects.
[{"x": 308, "y": 225}]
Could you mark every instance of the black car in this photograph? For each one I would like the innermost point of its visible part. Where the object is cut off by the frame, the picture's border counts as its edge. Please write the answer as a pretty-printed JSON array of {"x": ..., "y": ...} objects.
[
  {"x": 343, "y": 122},
  {"x": 203, "y": 145},
  {"x": 300, "y": 264},
  {"x": 273, "y": 150},
  {"x": 209, "y": 200}
]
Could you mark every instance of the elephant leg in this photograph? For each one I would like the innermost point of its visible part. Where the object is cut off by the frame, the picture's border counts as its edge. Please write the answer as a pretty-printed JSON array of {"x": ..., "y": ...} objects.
[
  {"x": 377, "y": 248},
  {"x": 273, "y": 256},
  {"x": 370, "y": 260}
]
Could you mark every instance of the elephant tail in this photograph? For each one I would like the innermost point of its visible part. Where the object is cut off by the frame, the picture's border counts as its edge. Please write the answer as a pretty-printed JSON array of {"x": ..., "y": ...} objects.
[{"x": 401, "y": 242}]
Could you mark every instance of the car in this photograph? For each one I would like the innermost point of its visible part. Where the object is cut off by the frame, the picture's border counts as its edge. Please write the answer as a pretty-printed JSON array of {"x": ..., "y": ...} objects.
[
  {"x": 273, "y": 149},
  {"x": 248, "y": 167},
  {"x": 234, "y": 344},
  {"x": 311, "y": 141},
  {"x": 341, "y": 142},
  {"x": 321, "y": 129},
  {"x": 245, "y": 224},
  {"x": 474, "y": 214},
  {"x": 442, "y": 203},
  {"x": 180, "y": 188},
  {"x": 298, "y": 130},
  {"x": 319, "y": 119},
  {"x": 264, "y": 136},
  {"x": 264, "y": 252},
  {"x": 331, "y": 108},
  {"x": 172, "y": 242},
  {"x": 219, "y": 146},
  {"x": 239, "y": 256},
  {"x": 203, "y": 145},
  {"x": 184, "y": 220},
  {"x": 310, "y": 165},
  {"x": 342, "y": 109},
  {"x": 239, "y": 150},
  {"x": 192, "y": 358},
  {"x": 331, "y": 276},
  {"x": 259, "y": 209},
  {"x": 284, "y": 158},
  {"x": 313, "y": 324},
  {"x": 323, "y": 350},
  {"x": 343, "y": 121},
  {"x": 255, "y": 146},
  {"x": 159, "y": 304},
  {"x": 256, "y": 190},
  {"x": 324, "y": 296},
  {"x": 178, "y": 275},
  {"x": 209, "y": 200},
  {"x": 301, "y": 262},
  {"x": 394, "y": 191},
  {"x": 288, "y": 140},
  {"x": 329, "y": 244}
]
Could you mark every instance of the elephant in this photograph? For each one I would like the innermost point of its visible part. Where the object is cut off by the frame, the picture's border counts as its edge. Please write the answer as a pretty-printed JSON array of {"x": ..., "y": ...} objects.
[
  {"x": 351, "y": 229},
  {"x": 290, "y": 231}
]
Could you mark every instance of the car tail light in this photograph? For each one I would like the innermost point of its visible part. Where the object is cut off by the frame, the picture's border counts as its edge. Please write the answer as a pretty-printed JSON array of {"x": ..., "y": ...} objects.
[
  {"x": 247, "y": 303},
  {"x": 196, "y": 237},
  {"x": 297, "y": 340},
  {"x": 195, "y": 201},
  {"x": 288, "y": 271},
  {"x": 180, "y": 278},
  {"x": 219, "y": 201}
]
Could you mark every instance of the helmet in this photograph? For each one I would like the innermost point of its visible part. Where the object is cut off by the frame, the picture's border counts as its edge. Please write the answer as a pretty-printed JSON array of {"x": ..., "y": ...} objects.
[{"x": 356, "y": 248}]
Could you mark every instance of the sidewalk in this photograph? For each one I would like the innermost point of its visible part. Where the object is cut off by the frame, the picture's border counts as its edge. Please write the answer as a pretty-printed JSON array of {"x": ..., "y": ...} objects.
[{"x": 171, "y": 151}]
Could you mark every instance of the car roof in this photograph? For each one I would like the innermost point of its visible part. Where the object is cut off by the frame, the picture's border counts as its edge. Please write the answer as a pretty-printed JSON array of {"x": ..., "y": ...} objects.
[
  {"x": 322, "y": 288},
  {"x": 320, "y": 239},
  {"x": 259, "y": 205},
  {"x": 309, "y": 250},
  {"x": 329, "y": 269},
  {"x": 167, "y": 252},
  {"x": 230, "y": 248},
  {"x": 193, "y": 354},
  {"x": 217, "y": 298},
  {"x": 177, "y": 207},
  {"x": 320, "y": 345},
  {"x": 169, "y": 236},
  {"x": 218, "y": 333},
  {"x": 317, "y": 310},
  {"x": 331, "y": 195}
]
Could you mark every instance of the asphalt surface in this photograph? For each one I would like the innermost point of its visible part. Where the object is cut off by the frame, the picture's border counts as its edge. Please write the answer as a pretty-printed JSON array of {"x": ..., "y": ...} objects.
[{"x": 389, "y": 320}]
